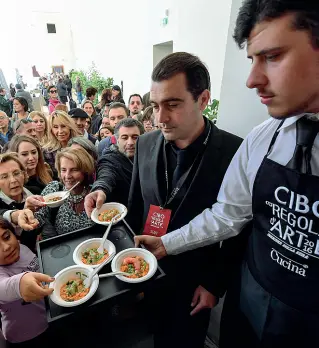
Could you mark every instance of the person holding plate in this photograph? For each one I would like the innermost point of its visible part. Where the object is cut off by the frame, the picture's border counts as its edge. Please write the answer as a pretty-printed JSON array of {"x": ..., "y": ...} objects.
[{"x": 273, "y": 182}]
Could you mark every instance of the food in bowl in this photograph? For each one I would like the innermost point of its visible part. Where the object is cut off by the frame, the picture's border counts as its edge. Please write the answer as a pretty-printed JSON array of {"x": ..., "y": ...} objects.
[
  {"x": 74, "y": 289},
  {"x": 91, "y": 256},
  {"x": 53, "y": 199},
  {"x": 136, "y": 266},
  {"x": 108, "y": 215}
]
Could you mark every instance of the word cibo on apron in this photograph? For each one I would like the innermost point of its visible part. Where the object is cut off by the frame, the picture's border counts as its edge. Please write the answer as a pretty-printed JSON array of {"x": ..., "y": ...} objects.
[{"x": 276, "y": 301}]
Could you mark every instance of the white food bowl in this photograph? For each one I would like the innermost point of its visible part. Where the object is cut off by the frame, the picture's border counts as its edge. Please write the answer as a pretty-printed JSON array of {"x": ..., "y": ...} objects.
[
  {"x": 145, "y": 254},
  {"x": 66, "y": 274},
  {"x": 56, "y": 194},
  {"x": 106, "y": 206},
  {"x": 91, "y": 243}
]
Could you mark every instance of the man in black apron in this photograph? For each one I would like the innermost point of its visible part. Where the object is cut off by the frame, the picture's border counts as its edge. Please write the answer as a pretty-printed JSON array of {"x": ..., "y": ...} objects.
[{"x": 273, "y": 180}]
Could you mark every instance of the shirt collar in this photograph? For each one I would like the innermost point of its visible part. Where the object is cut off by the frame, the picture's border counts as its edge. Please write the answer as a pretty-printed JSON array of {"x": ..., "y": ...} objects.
[
  {"x": 292, "y": 120},
  {"x": 8, "y": 200},
  {"x": 86, "y": 134},
  {"x": 197, "y": 142}
]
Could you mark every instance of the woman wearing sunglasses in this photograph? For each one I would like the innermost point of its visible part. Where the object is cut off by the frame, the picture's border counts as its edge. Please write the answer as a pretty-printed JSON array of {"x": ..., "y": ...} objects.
[
  {"x": 53, "y": 98},
  {"x": 41, "y": 126}
]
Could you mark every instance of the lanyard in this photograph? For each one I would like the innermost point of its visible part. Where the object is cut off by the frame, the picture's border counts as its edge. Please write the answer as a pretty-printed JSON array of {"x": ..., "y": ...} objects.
[{"x": 183, "y": 178}]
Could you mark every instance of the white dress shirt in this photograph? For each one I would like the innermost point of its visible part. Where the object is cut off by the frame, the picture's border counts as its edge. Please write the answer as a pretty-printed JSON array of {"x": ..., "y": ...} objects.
[{"x": 233, "y": 208}]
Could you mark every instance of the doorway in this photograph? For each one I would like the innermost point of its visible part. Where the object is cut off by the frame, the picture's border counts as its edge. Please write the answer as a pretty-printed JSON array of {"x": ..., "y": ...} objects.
[{"x": 161, "y": 50}]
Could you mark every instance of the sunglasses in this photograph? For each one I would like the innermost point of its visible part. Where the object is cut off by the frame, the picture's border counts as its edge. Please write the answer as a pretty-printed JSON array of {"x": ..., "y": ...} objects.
[{"x": 53, "y": 91}]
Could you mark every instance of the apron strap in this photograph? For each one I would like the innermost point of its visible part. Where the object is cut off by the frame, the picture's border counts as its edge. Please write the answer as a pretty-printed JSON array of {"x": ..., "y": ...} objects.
[{"x": 273, "y": 140}]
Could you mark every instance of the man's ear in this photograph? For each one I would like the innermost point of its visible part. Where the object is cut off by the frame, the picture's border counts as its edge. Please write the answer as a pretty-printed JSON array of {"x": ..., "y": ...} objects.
[{"x": 203, "y": 99}]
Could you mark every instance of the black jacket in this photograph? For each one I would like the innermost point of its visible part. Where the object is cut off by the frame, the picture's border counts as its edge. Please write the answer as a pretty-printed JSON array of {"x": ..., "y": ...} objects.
[
  {"x": 196, "y": 267},
  {"x": 114, "y": 174},
  {"x": 68, "y": 84},
  {"x": 95, "y": 123},
  {"x": 28, "y": 238},
  {"x": 62, "y": 89},
  {"x": 35, "y": 185}
]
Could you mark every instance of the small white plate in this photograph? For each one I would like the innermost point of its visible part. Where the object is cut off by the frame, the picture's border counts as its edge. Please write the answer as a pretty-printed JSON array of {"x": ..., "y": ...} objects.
[
  {"x": 56, "y": 194},
  {"x": 91, "y": 243},
  {"x": 107, "y": 206},
  {"x": 131, "y": 252},
  {"x": 66, "y": 274}
]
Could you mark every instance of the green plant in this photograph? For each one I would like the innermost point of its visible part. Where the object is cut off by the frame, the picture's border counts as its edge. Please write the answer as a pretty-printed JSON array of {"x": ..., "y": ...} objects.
[
  {"x": 211, "y": 110},
  {"x": 91, "y": 78}
]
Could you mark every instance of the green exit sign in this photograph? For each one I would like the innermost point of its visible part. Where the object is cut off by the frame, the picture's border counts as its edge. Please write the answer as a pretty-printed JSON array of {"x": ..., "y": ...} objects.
[{"x": 164, "y": 21}]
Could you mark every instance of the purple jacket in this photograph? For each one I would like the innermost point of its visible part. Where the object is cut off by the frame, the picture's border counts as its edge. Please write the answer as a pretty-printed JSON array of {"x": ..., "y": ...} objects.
[{"x": 20, "y": 322}]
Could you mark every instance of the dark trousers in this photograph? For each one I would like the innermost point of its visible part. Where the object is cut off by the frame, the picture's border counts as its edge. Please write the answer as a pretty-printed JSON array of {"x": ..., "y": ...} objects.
[
  {"x": 173, "y": 326},
  {"x": 70, "y": 93},
  {"x": 253, "y": 318},
  {"x": 63, "y": 99}
]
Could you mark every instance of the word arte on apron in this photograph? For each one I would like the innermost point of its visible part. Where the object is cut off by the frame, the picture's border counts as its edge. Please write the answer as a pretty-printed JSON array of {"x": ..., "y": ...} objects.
[{"x": 293, "y": 233}]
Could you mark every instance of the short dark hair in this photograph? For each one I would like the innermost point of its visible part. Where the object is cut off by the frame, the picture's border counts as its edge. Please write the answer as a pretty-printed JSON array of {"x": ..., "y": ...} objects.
[
  {"x": 18, "y": 86},
  {"x": 128, "y": 122},
  {"x": 255, "y": 11},
  {"x": 135, "y": 95},
  {"x": 117, "y": 105},
  {"x": 50, "y": 87},
  {"x": 197, "y": 75},
  {"x": 5, "y": 225},
  {"x": 90, "y": 91},
  {"x": 23, "y": 102}
]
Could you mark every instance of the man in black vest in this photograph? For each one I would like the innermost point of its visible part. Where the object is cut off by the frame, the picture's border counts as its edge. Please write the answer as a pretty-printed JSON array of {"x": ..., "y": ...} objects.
[
  {"x": 273, "y": 181},
  {"x": 177, "y": 173}
]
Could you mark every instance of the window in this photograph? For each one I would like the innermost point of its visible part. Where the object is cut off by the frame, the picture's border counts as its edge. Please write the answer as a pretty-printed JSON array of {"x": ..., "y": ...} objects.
[{"x": 51, "y": 28}]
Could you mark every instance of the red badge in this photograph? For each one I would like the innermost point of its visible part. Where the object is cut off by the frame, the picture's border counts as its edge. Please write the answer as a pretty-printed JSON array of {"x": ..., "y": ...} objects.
[{"x": 157, "y": 221}]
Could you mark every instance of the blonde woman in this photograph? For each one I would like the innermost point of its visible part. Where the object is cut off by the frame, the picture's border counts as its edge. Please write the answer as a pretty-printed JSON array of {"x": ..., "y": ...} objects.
[
  {"x": 30, "y": 155},
  {"x": 72, "y": 165},
  {"x": 41, "y": 126},
  {"x": 61, "y": 129}
]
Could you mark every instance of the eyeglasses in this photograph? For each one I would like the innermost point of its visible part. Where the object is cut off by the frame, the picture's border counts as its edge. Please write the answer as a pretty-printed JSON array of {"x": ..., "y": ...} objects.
[
  {"x": 3, "y": 118},
  {"x": 24, "y": 121},
  {"x": 14, "y": 174},
  {"x": 53, "y": 91}
]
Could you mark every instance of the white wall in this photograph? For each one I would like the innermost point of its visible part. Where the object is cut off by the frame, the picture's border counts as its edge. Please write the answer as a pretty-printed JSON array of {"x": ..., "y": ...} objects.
[
  {"x": 240, "y": 108},
  {"x": 27, "y": 41},
  {"x": 195, "y": 26},
  {"x": 119, "y": 37}
]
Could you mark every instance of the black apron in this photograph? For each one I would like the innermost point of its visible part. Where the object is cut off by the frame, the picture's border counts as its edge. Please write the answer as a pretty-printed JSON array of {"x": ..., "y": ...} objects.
[{"x": 275, "y": 300}]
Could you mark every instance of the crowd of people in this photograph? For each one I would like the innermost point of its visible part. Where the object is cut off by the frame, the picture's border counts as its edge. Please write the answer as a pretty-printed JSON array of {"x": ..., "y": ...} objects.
[
  {"x": 257, "y": 195},
  {"x": 92, "y": 143}
]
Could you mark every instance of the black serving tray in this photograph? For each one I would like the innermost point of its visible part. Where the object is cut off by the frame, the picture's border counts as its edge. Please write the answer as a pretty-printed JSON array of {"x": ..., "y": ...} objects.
[{"x": 57, "y": 253}]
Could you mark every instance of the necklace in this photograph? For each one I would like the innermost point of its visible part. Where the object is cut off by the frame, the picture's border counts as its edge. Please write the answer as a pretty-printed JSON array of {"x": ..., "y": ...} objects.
[{"x": 75, "y": 199}]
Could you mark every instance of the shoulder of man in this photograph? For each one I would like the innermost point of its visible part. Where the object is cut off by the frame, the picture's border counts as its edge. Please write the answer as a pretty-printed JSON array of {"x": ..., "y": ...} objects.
[
  {"x": 149, "y": 139},
  {"x": 221, "y": 138}
]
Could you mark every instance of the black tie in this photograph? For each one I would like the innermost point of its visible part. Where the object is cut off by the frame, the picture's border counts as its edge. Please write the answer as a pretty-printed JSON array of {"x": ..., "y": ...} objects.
[
  {"x": 306, "y": 131},
  {"x": 180, "y": 166}
]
